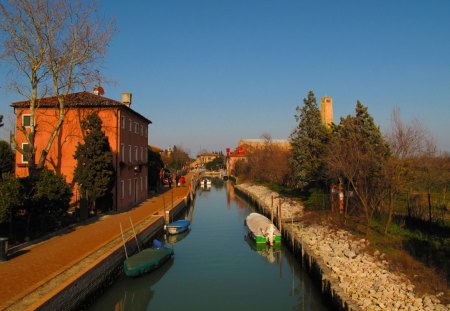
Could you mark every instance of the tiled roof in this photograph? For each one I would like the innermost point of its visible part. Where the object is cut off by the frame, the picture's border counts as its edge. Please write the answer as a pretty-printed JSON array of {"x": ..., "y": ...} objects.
[
  {"x": 156, "y": 149},
  {"x": 79, "y": 100}
]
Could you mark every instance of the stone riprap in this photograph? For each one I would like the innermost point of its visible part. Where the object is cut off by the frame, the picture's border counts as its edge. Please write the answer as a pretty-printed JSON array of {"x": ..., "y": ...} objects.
[{"x": 363, "y": 280}]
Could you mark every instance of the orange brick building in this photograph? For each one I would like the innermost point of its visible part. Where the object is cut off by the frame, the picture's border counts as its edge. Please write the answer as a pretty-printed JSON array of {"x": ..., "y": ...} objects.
[{"x": 127, "y": 133}]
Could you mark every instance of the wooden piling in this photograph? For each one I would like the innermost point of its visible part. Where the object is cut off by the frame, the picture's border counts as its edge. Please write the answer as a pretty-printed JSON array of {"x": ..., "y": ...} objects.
[{"x": 271, "y": 210}]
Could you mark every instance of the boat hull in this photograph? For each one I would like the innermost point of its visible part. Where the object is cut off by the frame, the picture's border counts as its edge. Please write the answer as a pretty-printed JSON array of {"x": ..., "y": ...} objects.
[
  {"x": 259, "y": 239},
  {"x": 178, "y": 226},
  {"x": 146, "y": 260}
]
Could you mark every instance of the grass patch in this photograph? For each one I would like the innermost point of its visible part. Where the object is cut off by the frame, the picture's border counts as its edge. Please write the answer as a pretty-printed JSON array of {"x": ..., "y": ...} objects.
[
  {"x": 283, "y": 190},
  {"x": 418, "y": 251}
]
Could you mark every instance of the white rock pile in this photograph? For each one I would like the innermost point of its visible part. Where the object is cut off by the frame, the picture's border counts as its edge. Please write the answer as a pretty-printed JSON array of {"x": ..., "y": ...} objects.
[
  {"x": 289, "y": 207},
  {"x": 364, "y": 278}
]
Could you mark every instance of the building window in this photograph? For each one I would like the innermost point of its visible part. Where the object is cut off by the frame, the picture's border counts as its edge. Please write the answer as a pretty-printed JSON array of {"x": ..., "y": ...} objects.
[
  {"x": 129, "y": 187},
  {"x": 26, "y": 120},
  {"x": 142, "y": 154},
  {"x": 145, "y": 131},
  {"x": 142, "y": 130},
  {"x": 123, "y": 122},
  {"x": 136, "y": 153},
  {"x": 131, "y": 125},
  {"x": 129, "y": 153},
  {"x": 25, "y": 148},
  {"x": 141, "y": 185},
  {"x": 136, "y": 127},
  {"x": 122, "y": 189},
  {"x": 122, "y": 152}
]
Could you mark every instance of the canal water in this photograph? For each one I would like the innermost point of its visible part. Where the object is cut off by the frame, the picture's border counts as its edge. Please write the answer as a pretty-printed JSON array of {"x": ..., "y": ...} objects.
[{"x": 216, "y": 267}]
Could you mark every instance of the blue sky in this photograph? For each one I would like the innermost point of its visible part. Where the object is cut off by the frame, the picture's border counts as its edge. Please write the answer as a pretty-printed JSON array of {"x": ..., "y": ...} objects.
[{"x": 208, "y": 73}]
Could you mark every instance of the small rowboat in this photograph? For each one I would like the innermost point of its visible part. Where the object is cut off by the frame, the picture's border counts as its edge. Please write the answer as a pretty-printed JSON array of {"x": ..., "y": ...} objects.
[
  {"x": 262, "y": 229},
  {"x": 178, "y": 226},
  {"x": 146, "y": 260}
]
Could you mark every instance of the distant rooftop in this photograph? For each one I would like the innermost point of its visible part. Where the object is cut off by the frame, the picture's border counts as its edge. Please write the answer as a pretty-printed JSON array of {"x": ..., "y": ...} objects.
[{"x": 263, "y": 141}]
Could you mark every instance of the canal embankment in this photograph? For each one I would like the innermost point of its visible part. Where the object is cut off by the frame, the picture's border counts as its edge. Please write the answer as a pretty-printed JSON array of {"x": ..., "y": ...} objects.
[
  {"x": 350, "y": 277},
  {"x": 62, "y": 272}
]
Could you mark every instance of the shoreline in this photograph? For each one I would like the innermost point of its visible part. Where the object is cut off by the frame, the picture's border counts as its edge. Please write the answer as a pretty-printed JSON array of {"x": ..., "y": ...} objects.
[{"x": 351, "y": 278}]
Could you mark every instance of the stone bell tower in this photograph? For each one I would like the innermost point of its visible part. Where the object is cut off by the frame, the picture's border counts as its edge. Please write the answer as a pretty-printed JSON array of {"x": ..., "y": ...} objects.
[{"x": 326, "y": 110}]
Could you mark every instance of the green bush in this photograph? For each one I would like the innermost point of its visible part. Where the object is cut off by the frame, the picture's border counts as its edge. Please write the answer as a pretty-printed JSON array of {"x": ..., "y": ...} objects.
[{"x": 10, "y": 196}]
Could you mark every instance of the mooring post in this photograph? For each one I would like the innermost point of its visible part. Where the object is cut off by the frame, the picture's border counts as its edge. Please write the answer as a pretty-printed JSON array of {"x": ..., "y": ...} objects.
[
  {"x": 292, "y": 231},
  {"x": 271, "y": 210},
  {"x": 279, "y": 215}
]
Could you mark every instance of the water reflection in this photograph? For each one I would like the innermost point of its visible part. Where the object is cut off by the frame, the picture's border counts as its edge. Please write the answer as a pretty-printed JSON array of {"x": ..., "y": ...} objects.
[
  {"x": 136, "y": 292},
  {"x": 232, "y": 197},
  {"x": 175, "y": 238},
  {"x": 266, "y": 251}
]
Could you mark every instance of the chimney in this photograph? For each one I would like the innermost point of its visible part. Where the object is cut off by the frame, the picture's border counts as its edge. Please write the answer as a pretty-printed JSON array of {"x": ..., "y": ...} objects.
[
  {"x": 98, "y": 90},
  {"x": 126, "y": 99}
]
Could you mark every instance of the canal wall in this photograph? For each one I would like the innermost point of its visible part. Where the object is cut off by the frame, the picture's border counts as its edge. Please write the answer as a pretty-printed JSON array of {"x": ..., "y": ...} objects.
[
  {"x": 350, "y": 278},
  {"x": 82, "y": 282},
  {"x": 96, "y": 274}
]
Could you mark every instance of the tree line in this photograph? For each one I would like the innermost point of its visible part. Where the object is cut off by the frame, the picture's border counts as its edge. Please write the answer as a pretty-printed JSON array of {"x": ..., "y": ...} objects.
[{"x": 378, "y": 174}]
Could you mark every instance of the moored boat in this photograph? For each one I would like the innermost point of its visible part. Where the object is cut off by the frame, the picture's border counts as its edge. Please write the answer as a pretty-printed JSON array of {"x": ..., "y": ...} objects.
[
  {"x": 178, "y": 226},
  {"x": 146, "y": 260},
  {"x": 206, "y": 182},
  {"x": 262, "y": 229}
]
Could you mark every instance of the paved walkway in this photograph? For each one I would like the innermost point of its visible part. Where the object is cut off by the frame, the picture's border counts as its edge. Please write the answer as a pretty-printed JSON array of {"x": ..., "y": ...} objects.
[{"x": 39, "y": 263}]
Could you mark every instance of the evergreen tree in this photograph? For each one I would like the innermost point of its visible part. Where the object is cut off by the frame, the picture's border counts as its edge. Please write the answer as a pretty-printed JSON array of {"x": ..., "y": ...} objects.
[
  {"x": 10, "y": 196},
  {"x": 216, "y": 164},
  {"x": 155, "y": 164},
  {"x": 308, "y": 143},
  {"x": 357, "y": 155},
  {"x": 94, "y": 172},
  {"x": 6, "y": 158},
  {"x": 50, "y": 200}
]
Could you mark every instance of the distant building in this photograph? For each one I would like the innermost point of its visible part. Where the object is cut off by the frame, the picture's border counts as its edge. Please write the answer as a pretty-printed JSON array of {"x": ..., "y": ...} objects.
[
  {"x": 326, "y": 110},
  {"x": 207, "y": 157},
  {"x": 126, "y": 130}
]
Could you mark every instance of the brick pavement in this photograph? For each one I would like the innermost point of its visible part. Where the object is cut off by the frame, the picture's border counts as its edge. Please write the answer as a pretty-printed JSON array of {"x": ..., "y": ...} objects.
[{"x": 41, "y": 262}]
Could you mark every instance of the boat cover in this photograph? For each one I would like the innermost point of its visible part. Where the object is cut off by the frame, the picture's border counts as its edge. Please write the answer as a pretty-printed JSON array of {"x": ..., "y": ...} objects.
[
  {"x": 261, "y": 226},
  {"x": 146, "y": 260}
]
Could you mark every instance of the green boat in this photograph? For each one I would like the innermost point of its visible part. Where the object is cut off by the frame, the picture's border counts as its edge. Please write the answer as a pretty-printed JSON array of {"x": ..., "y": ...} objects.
[
  {"x": 262, "y": 229},
  {"x": 146, "y": 260}
]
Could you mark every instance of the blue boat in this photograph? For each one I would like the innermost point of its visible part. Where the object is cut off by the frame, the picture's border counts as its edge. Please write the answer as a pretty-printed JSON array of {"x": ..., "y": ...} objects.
[{"x": 178, "y": 226}]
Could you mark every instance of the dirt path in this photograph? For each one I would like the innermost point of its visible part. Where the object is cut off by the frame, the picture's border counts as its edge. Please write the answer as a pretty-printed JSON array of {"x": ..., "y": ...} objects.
[{"x": 39, "y": 263}]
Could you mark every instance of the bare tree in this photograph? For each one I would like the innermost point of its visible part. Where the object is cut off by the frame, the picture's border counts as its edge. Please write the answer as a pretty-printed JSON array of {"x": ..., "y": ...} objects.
[
  {"x": 55, "y": 45},
  {"x": 266, "y": 161},
  {"x": 408, "y": 142}
]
